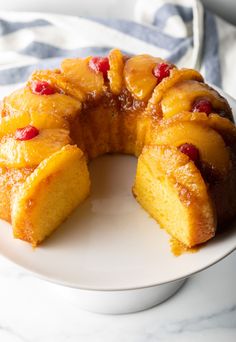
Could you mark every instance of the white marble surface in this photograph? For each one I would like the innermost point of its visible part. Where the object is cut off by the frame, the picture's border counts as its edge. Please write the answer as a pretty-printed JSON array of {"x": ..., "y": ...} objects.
[{"x": 204, "y": 310}]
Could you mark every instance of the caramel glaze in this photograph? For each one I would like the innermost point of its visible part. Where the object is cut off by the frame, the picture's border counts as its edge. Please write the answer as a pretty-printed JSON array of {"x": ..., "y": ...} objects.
[
  {"x": 225, "y": 205},
  {"x": 10, "y": 179},
  {"x": 108, "y": 124},
  {"x": 178, "y": 248}
]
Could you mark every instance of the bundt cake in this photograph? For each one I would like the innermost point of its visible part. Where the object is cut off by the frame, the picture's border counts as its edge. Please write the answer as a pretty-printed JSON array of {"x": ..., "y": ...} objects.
[{"x": 180, "y": 129}]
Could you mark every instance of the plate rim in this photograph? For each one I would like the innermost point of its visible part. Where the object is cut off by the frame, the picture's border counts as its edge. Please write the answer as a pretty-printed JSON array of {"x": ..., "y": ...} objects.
[{"x": 104, "y": 289}]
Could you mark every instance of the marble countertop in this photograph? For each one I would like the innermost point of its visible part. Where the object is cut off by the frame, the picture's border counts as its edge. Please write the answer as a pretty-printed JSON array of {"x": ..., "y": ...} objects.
[{"x": 204, "y": 310}]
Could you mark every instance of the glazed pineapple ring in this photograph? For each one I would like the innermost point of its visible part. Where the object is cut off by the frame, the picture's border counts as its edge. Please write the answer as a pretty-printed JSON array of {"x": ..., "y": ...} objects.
[
  {"x": 16, "y": 153},
  {"x": 180, "y": 129}
]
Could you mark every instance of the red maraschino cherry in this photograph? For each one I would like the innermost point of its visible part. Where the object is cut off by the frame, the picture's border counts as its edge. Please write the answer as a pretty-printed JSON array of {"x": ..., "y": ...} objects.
[
  {"x": 26, "y": 133},
  {"x": 162, "y": 70},
  {"x": 42, "y": 88},
  {"x": 100, "y": 64},
  {"x": 202, "y": 105},
  {"x": 191, "y": 151}
]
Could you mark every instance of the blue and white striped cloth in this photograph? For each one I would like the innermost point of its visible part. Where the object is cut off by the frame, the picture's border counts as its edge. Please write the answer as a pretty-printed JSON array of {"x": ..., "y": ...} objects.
[{"x": 180, "y": 31}]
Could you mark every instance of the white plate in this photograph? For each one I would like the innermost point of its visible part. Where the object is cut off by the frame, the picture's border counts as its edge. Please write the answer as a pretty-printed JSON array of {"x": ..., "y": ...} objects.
[{"x": 110, "y": 242}]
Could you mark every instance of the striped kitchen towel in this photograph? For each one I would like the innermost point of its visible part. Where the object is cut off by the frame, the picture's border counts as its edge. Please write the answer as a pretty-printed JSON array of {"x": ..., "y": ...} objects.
[{"x": 181, "y": 31}]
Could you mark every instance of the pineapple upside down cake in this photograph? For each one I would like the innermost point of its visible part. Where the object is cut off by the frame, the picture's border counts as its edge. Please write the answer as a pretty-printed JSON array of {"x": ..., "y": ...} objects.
[{"x": 180, "y": 129}]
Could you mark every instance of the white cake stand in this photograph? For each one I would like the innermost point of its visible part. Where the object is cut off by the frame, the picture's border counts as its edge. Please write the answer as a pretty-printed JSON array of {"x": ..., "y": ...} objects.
[{"x": 110, "y": 256}]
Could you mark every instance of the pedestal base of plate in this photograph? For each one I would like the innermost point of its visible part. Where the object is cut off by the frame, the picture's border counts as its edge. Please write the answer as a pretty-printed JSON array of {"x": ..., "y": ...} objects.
[{"x": 121, "y": 302}]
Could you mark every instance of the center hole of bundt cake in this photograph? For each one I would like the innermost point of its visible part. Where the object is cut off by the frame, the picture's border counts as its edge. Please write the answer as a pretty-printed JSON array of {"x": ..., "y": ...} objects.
[{"x": 112, "y": 178}]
